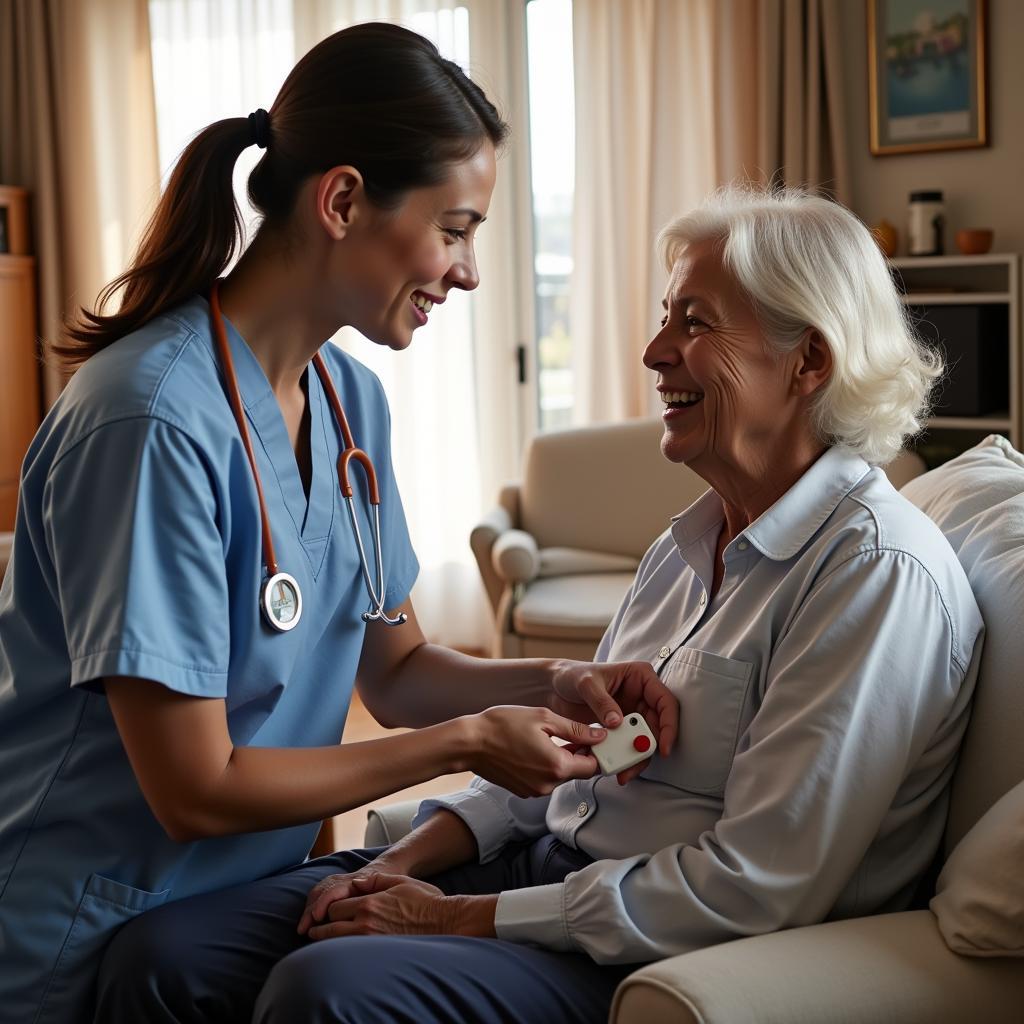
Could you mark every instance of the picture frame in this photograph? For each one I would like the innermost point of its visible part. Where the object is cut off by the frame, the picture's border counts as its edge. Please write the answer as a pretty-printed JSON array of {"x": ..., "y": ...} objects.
[{"x": 927, "y": 75}]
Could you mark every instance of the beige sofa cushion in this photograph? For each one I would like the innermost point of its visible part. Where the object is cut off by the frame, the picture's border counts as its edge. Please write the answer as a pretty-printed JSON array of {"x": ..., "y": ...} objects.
[
  {"x": 979, "y": 898},
  {"x": 571, "y": 607},
  {"x": 977, "y": 499}
]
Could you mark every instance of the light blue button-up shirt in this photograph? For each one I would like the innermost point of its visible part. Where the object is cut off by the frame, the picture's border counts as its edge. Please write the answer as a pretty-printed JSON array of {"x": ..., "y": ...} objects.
[{"x": 823, "y": 695}]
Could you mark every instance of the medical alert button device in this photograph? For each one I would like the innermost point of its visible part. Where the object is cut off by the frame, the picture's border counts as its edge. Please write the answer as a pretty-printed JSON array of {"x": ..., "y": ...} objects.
[{"x": 629, "y": 744}]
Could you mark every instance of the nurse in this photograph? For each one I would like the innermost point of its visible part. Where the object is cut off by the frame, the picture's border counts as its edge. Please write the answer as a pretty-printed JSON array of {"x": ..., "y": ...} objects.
[{"x": 182, "y": 622}]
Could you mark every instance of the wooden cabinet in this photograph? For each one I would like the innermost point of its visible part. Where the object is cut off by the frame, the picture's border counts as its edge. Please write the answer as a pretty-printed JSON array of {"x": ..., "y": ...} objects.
[{"x": 19, "y": 363}]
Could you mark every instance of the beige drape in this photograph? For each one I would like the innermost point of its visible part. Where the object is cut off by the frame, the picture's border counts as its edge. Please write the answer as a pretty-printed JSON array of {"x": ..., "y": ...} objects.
[
  {"x": 801, "y": 123},
  {"x": 78, "y": 129},
  {"x": 673, "y": 99}
]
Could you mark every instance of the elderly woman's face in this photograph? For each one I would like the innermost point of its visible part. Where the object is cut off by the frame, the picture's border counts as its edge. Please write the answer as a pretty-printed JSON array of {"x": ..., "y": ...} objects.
[{"x": 726, "y": 393}]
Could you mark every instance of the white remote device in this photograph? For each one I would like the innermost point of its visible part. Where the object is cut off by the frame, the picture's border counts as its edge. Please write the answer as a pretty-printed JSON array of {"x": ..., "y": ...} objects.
[{"x": 629, "y": 744}]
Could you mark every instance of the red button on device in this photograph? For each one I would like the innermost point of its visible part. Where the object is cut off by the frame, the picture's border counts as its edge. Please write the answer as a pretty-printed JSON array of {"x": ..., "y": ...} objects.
[{"x": 642, "y": 743}]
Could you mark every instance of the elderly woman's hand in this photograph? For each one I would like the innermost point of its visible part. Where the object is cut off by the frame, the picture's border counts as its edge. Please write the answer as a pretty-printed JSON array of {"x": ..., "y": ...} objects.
[
  {"x": 383, "y": 904},
  {"x": 607, "y": 691}
]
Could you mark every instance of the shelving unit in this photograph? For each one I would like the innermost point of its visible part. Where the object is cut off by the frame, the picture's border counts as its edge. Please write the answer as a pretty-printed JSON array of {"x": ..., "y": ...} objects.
[
  {"x": 19, "y": 366},
  {"x": 990, "y": 279}
]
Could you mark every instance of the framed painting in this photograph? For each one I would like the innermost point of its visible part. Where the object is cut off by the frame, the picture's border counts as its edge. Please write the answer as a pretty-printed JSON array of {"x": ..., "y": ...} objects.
[{"x": 926, "y": 75}]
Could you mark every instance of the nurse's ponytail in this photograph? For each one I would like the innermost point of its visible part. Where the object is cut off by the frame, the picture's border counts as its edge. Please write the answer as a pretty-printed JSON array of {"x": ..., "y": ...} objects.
[{"x": 375, "y": 96}]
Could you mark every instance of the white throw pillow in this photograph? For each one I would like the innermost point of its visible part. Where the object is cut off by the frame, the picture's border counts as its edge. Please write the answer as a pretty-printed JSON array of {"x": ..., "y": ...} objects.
[
  {"x": 977, "y": 500},
  {"x": 979, "y": 898}
]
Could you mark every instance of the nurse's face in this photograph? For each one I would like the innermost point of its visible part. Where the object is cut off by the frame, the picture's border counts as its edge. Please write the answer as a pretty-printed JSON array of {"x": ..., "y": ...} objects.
[{"x": 400, "y": 264}]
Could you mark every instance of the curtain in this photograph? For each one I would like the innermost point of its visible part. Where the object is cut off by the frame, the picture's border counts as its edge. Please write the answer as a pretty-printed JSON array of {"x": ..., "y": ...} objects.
[
  {"x": 77, "y": 128},
  {"x": 452, "y": 393},
  {"x": 644, "y": 124},
  {"x": 673, "y": 99},
  {"x": 801, "y": 129}
]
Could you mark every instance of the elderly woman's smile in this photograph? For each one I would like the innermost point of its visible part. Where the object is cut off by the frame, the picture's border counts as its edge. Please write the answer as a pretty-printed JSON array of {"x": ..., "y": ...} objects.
[{"x": 677, "y": 401}]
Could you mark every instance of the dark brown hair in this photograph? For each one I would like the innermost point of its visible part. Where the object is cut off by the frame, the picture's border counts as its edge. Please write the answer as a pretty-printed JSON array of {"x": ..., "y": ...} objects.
[{"x": 376, "y": 96}]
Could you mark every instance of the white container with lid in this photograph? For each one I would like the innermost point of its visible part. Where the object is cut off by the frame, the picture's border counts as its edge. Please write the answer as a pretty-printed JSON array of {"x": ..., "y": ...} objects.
[{"x": 926, "y": 221}]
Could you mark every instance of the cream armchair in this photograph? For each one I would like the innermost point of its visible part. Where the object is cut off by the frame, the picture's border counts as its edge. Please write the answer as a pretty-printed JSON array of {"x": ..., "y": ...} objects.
[
  {"x": 561, "y": 548},
  {"x": 891, "y": 968}
]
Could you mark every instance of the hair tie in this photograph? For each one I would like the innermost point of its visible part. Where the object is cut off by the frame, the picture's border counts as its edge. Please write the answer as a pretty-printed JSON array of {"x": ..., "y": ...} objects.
[{"x": 259, "y": 128}]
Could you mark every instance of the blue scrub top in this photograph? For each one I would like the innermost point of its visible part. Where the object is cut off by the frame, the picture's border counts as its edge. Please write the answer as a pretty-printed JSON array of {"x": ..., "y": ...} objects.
[{"x": 137, "y": 552}]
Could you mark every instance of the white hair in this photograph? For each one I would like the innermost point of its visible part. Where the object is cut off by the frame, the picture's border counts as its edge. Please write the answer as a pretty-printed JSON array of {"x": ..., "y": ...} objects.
[{"x": 807, "y": 262}]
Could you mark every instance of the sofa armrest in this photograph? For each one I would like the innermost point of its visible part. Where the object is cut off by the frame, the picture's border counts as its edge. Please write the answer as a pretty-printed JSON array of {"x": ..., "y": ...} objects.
[
  {"x": 516, "y": 557},
  {"x": 889, "y": 969},
  {"x": 386, "y": 825},
  {"x": 481, "y": 540}
]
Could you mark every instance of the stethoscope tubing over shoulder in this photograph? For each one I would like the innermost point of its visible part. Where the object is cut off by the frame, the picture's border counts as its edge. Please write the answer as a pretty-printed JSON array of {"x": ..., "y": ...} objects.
[{"x": 280, "y": 595}]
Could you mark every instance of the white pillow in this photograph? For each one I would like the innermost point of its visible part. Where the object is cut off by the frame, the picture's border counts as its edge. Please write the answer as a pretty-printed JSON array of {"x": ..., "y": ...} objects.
[
  {"x": 977, "y": 500},
  {"x": 979, "y": 898}
]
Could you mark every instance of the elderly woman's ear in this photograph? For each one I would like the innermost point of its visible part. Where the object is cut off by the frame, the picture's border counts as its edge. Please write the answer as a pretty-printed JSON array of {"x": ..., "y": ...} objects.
[{"x": 813, "y": 367}]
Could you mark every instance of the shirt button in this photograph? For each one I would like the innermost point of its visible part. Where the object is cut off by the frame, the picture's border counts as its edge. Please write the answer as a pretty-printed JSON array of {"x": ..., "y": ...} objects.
[
  {"x": 664, "y": 652},
  {"x": 582, "y": 810},
  {"x": 703, "y": 600},
  {"x": 743, "y": 545}
]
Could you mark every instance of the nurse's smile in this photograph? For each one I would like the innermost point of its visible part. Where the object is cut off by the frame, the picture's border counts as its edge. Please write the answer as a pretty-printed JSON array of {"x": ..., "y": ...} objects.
[{"x": 422, "y": 304}]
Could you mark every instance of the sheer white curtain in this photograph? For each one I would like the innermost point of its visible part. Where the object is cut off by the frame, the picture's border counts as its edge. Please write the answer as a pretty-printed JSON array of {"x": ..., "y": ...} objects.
[
  {"x": 454, "y": 428},
  {"x": 673, "y": 99},
  {"x": 644, "y": 129}
]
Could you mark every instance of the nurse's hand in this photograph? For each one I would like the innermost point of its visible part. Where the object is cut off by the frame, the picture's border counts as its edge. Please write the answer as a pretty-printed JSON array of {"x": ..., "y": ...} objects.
[
  {"x": 385, "y": 904},
  {"x": 606, "y": 691},
  {"x": 512, "y": 747}
]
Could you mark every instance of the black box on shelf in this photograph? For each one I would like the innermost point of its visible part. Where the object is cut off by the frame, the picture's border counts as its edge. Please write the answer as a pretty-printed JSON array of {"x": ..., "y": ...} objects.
[{"x": 974, "y": 341}]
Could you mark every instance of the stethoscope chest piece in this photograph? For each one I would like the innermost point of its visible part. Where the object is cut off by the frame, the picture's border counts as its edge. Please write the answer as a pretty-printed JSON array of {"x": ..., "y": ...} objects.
[{"x": 281, "y": 602}]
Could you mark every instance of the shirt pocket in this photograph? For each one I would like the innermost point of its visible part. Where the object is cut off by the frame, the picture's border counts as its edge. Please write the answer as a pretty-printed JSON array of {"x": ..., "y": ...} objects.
[
  {"x": 711, "y": 691},
  {"x": 104, "y": 907}
]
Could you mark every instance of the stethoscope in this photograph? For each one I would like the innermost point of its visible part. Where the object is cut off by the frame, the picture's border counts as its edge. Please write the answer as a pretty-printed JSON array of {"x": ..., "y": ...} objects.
[{"x": 280, "y": 596}]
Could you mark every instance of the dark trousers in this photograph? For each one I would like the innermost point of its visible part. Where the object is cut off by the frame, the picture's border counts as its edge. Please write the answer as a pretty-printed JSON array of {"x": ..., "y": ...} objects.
[{"x": 235, "y": 955}]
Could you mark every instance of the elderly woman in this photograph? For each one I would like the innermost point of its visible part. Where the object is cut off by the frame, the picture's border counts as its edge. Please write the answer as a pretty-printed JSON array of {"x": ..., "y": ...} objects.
[{"x": 817, "y": 629}]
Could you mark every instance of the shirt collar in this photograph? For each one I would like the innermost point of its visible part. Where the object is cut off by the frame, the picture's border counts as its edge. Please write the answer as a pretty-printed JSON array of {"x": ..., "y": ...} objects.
[{"x": 784, "y": 528}]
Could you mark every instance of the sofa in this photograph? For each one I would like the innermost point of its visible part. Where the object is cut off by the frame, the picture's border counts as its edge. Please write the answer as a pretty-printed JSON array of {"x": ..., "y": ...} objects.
[{"x": 958, "y": 961}]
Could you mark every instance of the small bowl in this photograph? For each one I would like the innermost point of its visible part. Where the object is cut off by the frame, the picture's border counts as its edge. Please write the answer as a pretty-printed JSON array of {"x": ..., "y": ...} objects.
[{"x": 974, "y": 241}]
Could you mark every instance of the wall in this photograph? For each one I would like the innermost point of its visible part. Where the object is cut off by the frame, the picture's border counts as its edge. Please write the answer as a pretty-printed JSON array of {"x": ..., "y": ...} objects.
[{"x": 983, "y": 187}]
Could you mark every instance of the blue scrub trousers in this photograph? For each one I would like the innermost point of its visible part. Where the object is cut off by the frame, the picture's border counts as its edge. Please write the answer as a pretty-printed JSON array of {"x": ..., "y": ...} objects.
[{"x": 234, "y": 955}]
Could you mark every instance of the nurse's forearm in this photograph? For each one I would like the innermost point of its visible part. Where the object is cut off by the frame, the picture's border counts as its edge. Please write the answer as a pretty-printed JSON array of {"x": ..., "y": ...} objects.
[
  {"x": 266, "y": 788},
  {"x": 199, "y": 784}
]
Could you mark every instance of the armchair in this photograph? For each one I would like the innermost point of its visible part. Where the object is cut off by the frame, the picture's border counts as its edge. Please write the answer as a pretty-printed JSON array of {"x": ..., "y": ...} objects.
[
  {"x": 560, "y": 549},
  {"x": 891, "y": 968}
]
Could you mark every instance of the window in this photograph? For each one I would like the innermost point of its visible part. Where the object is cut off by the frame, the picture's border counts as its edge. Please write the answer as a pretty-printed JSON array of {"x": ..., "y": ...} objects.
[{"x": 552, "y": 158}]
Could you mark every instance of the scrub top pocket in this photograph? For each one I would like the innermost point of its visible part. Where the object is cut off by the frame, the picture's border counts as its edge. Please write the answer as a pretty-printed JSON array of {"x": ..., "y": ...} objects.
[
  {"x": 711, "y": 691},
  {"x": 104, "y": 907}
]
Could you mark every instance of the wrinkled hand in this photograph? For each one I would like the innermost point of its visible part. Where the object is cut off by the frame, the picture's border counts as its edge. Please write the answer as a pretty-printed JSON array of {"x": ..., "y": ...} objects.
[
  {"x": 585, "y": 690},
  {"x": 340, "y": 886},
  {"x": 382, "y": 904}
]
